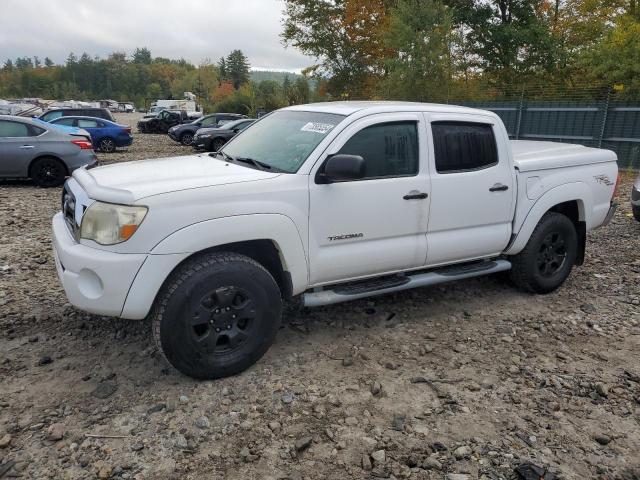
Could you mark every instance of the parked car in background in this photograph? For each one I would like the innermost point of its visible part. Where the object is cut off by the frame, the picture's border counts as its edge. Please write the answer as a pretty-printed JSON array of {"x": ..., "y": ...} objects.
[
  {"x": 46, "y": 153},
  {"x": 105, "y": 135},
  {"x": 126, "y": 107},
  {"x": 184, "y": 133},
  {"x": 212, "y": 139},
  {"x": 154, "y": 111},
  {"x": 54, "y": 113},
  {"x": 162, "y": 122},
  {"x": 635, "y": 199}
]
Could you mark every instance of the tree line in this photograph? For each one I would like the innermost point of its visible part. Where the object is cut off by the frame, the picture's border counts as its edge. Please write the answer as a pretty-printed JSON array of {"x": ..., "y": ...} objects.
[
  {"x": 432, "y": 49},
  {"x": 141, "y": 78},
  {"x": 421, "y": 50}
]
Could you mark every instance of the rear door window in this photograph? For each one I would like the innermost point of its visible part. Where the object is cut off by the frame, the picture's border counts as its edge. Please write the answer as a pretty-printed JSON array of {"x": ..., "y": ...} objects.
[
  {"x": 86, "y": 123},
  {"x": 463, "y": 146}
]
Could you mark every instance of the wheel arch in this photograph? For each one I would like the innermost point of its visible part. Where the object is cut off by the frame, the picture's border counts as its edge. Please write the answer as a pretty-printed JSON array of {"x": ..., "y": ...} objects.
[
  {"x": 43, "y": 156},
  {"x": 270, "y": 239},
  {"x": 573, "y": 200}
]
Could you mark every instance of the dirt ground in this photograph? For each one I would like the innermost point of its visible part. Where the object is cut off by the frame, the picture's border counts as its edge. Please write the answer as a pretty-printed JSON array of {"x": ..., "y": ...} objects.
[{"x": 463, "y": 381}]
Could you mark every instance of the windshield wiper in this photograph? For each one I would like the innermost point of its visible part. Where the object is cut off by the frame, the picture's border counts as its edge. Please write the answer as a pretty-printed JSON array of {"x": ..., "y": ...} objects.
[
  {"x": 256, "y": 163},
  {"x": 226, "y": 156},
  {"x": 251, "y": 161}
]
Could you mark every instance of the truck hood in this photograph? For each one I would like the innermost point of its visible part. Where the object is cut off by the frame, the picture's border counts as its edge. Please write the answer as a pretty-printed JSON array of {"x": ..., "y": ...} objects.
[
  {"x": 128, "y": 182},
  {"x": 532, "y": 155}
]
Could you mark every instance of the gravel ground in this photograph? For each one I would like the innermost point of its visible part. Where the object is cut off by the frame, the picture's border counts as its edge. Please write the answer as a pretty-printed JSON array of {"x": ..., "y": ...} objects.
[{"x": 463, "y": 381}]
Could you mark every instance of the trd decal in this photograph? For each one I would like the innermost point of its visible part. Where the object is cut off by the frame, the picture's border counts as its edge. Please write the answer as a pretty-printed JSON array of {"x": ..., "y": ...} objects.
[{"x": 603, "y": 179}]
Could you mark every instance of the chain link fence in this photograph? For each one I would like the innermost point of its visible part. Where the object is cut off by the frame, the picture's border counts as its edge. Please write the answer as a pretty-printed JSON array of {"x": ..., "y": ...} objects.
[{"x": 594, "y": 117}]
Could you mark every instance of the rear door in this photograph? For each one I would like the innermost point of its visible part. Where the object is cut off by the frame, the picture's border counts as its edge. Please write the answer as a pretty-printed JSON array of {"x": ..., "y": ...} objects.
[
  {"x": 473, "y": 189},
  {"x": 18, "y": 146}
]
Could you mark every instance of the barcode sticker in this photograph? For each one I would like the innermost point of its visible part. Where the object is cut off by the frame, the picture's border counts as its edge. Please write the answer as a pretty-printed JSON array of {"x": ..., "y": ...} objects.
[{"x": 322, "y": 128}]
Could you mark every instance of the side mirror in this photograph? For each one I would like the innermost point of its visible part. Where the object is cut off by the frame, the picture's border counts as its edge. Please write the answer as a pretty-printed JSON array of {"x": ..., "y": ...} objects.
[{"x": 340, "y": 168}]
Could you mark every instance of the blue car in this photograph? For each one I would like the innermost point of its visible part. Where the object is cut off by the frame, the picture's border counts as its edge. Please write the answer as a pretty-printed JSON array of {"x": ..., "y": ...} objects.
[{"x": 106, "y": 136}]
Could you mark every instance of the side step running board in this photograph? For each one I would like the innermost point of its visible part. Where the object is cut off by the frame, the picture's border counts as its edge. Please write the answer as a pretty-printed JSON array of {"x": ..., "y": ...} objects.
[{"x": 345, "y": 293}]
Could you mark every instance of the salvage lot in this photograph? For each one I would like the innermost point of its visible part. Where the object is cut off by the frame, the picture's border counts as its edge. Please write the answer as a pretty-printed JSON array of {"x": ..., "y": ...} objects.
[{"x": 474, "y": 378}]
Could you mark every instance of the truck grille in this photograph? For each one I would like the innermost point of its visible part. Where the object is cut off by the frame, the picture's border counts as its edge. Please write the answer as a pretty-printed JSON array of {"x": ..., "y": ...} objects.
[
  {"x": 74, "y": 203},
  {"x": 69, "y": 210}
]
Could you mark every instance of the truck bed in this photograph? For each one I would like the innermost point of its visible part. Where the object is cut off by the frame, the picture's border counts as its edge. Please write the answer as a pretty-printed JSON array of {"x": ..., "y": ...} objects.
[{"x": 531, "y": 155}]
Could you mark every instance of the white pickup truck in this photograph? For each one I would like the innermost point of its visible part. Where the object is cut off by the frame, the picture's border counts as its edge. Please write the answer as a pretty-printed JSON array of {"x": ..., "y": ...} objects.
[{"x": 325, "y": 203}]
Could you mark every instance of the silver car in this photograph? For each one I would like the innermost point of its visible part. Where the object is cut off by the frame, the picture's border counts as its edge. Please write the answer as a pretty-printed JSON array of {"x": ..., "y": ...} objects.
[
  {"x": 635, "y": 199},
  {"x": 46, "y": 153}
]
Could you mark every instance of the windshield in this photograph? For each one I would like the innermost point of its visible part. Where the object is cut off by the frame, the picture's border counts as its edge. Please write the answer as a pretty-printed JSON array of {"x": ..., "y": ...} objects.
[{"x": 284, "y": 139}]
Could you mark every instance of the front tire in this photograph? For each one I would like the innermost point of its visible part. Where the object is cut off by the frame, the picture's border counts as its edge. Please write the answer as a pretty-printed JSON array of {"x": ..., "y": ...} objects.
[
  {"x": 217, "y": 315},
  {"x": 48, "y": 172},
  {"x": 186, "y": 139},
  {"x": 548, "y": 258}
]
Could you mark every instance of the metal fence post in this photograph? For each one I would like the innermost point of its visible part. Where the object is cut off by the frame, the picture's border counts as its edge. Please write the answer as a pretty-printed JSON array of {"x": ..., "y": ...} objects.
[
  {"x": 520, "y": 111},
  {"x": 605, "y": 117}
]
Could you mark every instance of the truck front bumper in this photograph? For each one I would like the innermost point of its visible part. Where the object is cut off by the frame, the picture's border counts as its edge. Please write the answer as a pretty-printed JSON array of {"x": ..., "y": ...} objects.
[{"x": 94, "y": 280}]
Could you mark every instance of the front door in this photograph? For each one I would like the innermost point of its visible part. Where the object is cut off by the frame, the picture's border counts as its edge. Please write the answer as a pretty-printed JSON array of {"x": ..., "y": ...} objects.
[
  {"x": 377, "y": 224},
  {"x": 473, "y": 188}
]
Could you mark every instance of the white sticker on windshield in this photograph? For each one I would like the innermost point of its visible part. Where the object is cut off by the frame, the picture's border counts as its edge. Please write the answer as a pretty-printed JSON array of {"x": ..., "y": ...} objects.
[{"x": 322, "y": 128}]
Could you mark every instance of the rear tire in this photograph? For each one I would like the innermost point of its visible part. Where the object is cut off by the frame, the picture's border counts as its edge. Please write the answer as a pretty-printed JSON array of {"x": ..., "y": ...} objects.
[
  {"x": 107, "y": 145},
  {"x": 636, "y": 212},
  {"x": 548, "y": 258},
  {"x": 217, "y": 315},
  {"x": 48, "y": 172}
]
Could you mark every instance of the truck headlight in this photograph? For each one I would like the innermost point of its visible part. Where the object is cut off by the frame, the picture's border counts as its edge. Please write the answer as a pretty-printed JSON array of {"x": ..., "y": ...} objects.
[{"x": 108, "y": 223}]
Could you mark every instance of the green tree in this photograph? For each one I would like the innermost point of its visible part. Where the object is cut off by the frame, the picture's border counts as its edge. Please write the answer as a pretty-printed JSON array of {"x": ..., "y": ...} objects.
[
  {"x": 222, "y": 67},
  {"x": 421, "y": 35},
  {"x": 237, "y": 66},
  {"x": 345, "y": 35},
  {"x": 616, "y": 60},
  {"x": 508, "y": 40},
  {"x": 142, "y": 55},
  {"x": 48, "y": 62}
]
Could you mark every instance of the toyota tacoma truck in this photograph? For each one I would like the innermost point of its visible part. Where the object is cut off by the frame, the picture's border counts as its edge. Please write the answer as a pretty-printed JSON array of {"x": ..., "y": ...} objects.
[{"x": 322, "y": 204}]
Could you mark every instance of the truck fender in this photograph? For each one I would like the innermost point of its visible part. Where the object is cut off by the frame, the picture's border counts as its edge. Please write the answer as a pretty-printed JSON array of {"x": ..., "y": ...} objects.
[
  {"x": 568, "y": 192},
  {"x": 182, "y": 244},
  {"x": 280, "y": 229}
]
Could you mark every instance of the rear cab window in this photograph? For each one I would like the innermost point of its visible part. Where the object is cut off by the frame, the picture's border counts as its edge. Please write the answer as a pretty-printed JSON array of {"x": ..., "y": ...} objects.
[{"x": 463, "y": 146}]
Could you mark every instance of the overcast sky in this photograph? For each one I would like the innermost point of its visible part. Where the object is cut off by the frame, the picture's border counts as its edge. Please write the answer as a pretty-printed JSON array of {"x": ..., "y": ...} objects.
[{"x": 193, "y": 29}]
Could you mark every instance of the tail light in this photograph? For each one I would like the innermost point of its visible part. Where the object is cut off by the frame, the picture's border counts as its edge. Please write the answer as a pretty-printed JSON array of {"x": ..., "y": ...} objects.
[
  {"x": 83, "y": 144},
  {"x": 617, "y": 187},
  {"x": 128, "y": 130}
]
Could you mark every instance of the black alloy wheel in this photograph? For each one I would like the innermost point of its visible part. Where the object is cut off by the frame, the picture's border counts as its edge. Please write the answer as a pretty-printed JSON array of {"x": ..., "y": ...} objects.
[
  {"x": 48, "y": 172},
  {"x": 552, "y": 254},
  {"x": 107, "y": 145},
  {"x": 223, "y": 320}
]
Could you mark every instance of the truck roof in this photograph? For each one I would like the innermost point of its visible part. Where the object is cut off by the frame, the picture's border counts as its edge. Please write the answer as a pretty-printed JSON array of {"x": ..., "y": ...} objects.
[{"x": 351, "y": 107}]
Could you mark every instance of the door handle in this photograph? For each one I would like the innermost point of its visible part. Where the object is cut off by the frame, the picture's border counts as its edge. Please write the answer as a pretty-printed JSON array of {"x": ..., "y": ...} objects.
[
  {"x": 416, "y": 196},
  {"x": 498, "y": 187},
  {"x": 26, "y": 147}
]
